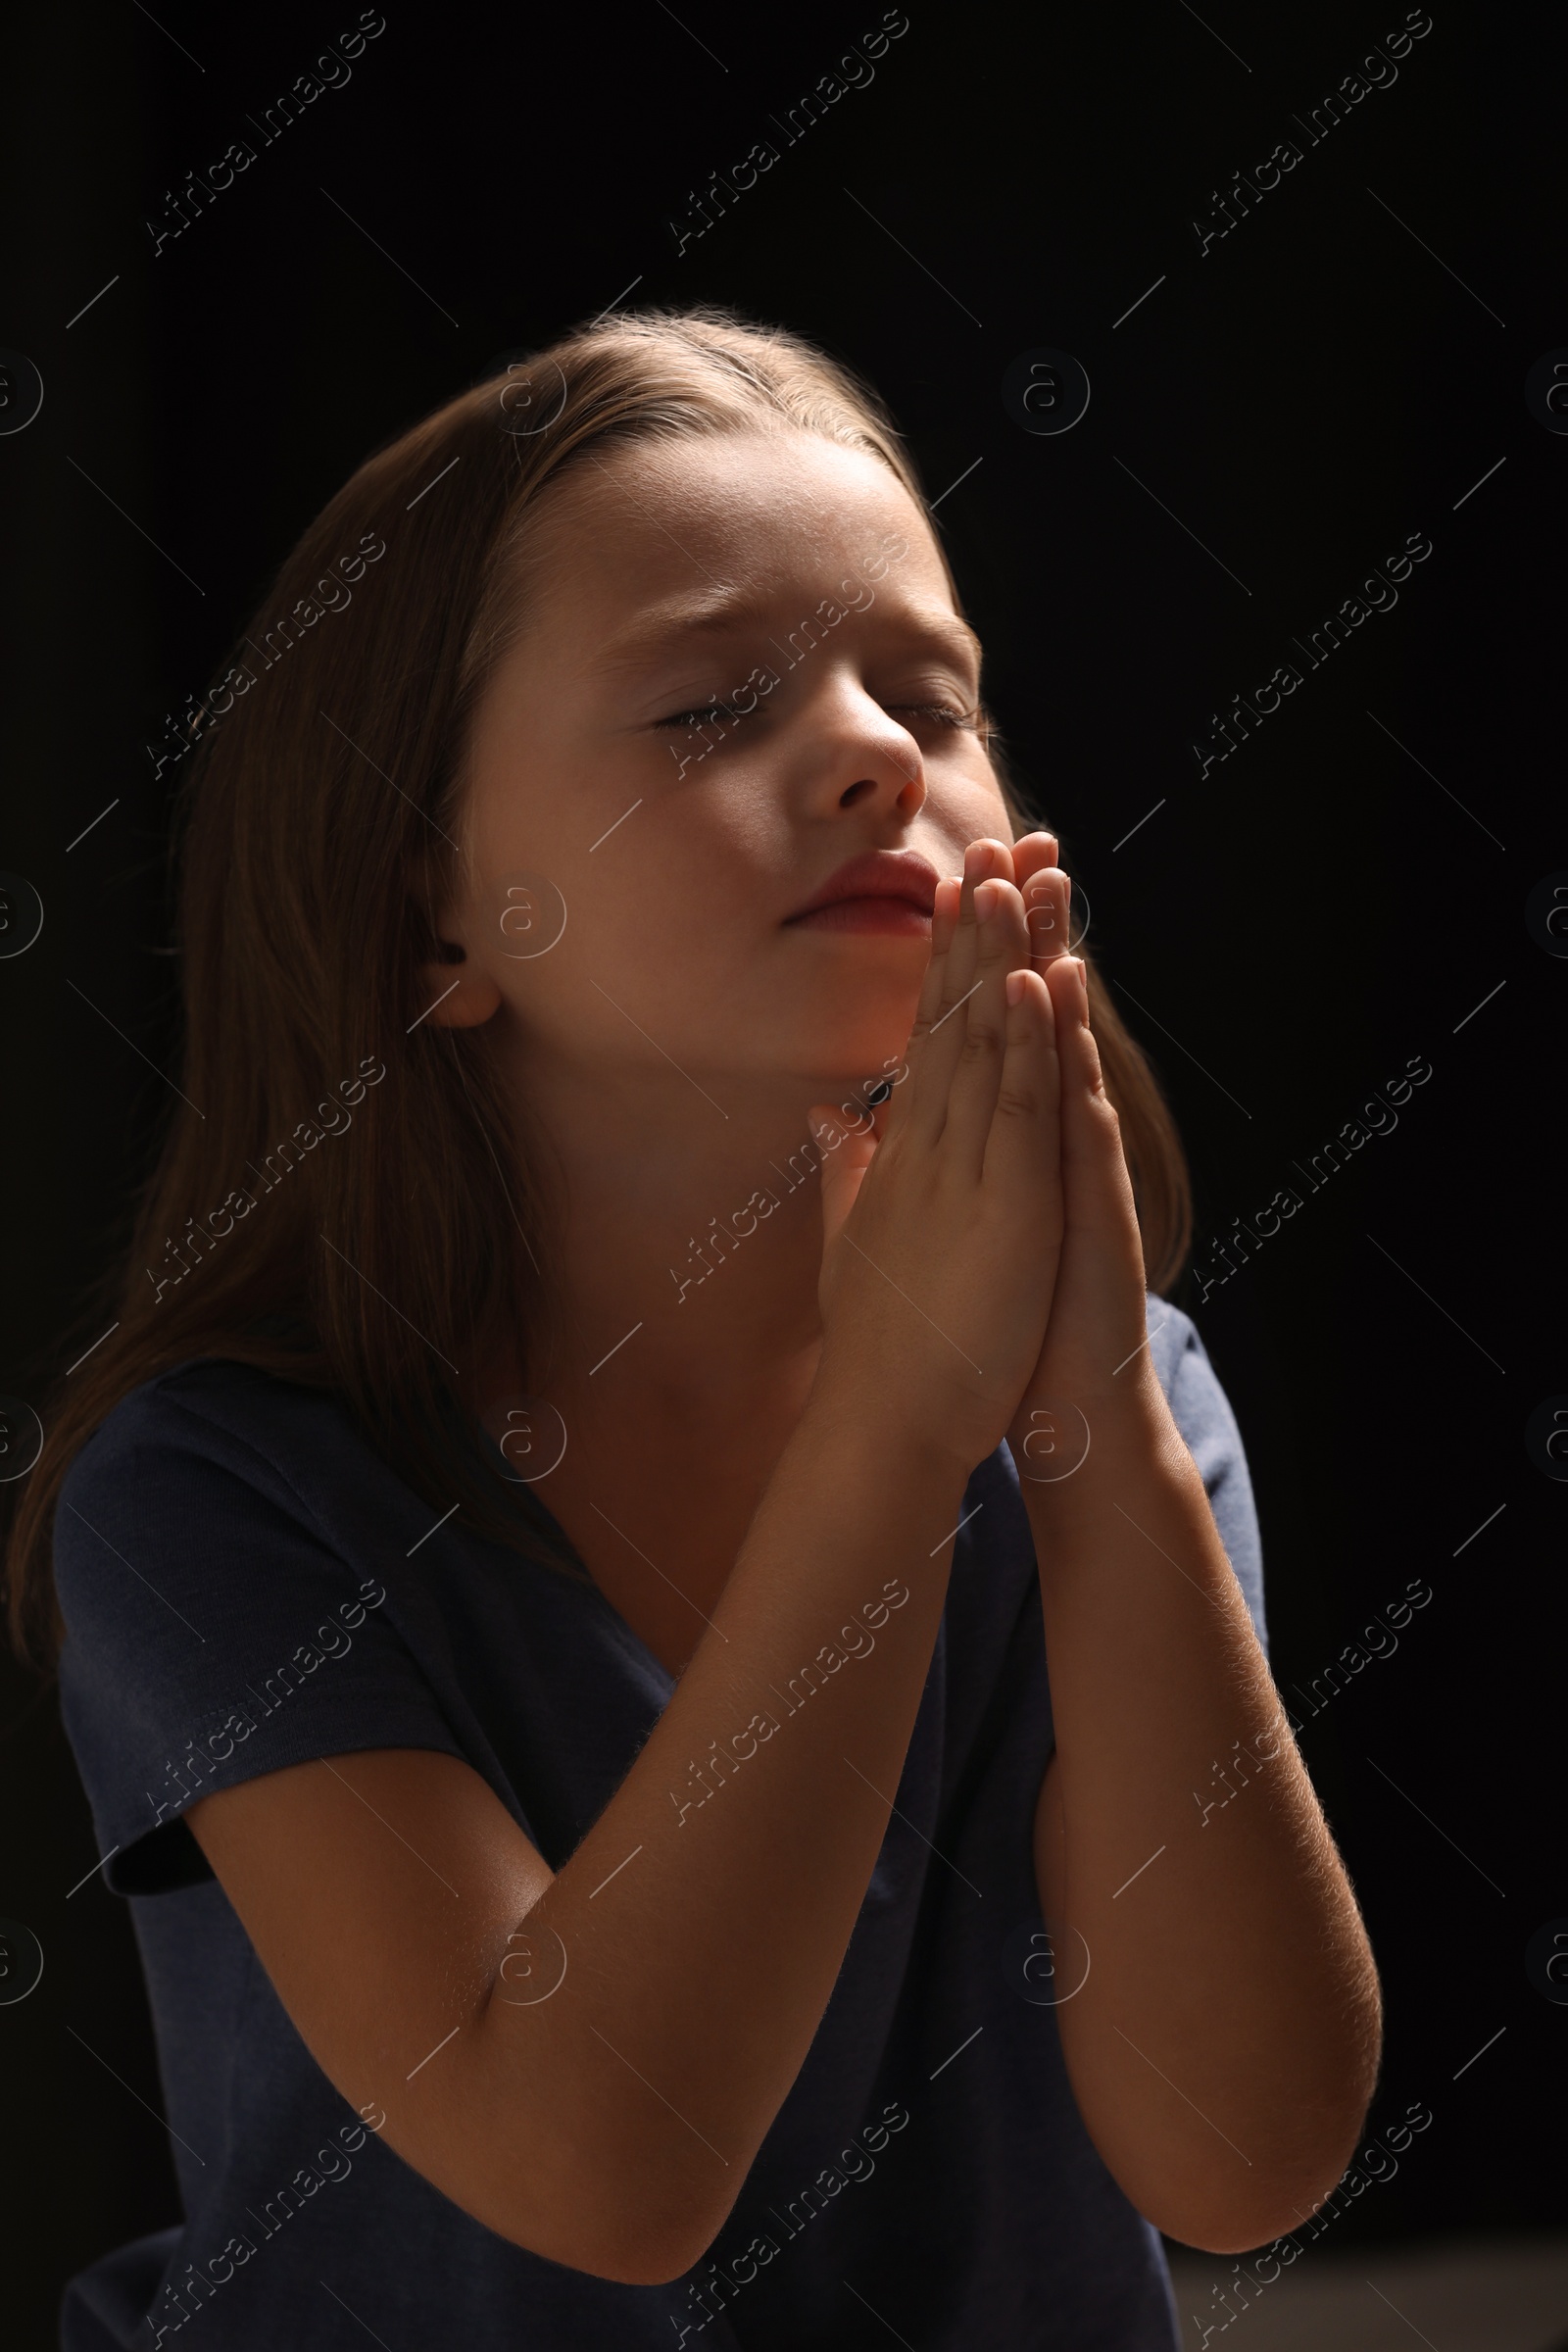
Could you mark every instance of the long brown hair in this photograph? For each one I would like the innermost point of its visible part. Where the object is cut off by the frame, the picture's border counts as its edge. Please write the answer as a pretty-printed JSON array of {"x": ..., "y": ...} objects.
[{"x": 314, "y": 833}]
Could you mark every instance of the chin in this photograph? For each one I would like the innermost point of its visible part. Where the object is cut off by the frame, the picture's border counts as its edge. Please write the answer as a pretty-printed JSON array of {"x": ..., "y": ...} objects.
[{"x": 858, "y": 1058}]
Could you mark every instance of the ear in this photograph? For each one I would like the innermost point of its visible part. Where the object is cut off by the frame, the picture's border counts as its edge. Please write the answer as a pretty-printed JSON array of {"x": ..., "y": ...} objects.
[{"x": 461, "y": 996}]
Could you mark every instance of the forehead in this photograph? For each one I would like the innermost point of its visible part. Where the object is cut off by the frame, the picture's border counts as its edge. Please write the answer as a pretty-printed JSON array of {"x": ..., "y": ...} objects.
[{"x": 705, "y": 519}]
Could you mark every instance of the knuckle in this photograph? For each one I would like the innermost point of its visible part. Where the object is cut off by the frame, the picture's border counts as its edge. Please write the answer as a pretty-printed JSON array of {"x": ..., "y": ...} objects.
[
  {"x": 981, "y": 1040},
  {"x": 1017, "y": 1102}
]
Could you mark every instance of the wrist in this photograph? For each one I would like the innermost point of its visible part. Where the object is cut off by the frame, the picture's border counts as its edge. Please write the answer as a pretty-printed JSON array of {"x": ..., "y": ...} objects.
[
  {"x": 1081, "y": 1438},
  {"x": 1115, "y": 1394}
]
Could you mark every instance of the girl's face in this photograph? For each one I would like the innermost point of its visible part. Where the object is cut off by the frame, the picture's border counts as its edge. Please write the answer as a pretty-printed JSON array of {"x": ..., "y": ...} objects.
[{"x": 740, "y": 671}]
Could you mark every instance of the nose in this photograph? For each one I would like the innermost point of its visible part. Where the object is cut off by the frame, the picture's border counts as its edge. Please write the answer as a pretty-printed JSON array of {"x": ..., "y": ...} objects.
[{"x": 868, "y": 760}]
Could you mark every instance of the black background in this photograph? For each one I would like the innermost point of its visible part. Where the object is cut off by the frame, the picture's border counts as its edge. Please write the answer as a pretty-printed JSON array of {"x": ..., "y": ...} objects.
[{"x": 1287, "y": 932}]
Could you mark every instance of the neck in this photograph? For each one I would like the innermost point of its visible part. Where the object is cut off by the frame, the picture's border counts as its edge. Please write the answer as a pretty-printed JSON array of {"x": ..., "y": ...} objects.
[{"x": 682, "y": 1274}]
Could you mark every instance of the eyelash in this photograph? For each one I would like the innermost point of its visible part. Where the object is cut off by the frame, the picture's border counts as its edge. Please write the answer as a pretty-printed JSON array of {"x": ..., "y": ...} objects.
[{"x": 943, "y": 713}]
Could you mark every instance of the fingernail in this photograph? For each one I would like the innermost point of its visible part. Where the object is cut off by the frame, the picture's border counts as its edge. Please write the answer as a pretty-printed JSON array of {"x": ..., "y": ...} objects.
[{"x": 1014, "y": 987}]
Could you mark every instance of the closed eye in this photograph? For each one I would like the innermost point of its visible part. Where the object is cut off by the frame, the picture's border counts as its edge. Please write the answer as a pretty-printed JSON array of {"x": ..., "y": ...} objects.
[
  {"x": 947, "y": 715},
  {"x": 704, "y": 716}
]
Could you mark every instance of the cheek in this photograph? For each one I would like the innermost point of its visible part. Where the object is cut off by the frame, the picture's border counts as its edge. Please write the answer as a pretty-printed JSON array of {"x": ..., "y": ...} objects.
[
  {"x": 527, "y": 806},
  {"x": 660, "y": 928},
  {"x": 967, "y": 807},
  {"x": 653, "y": 910}
]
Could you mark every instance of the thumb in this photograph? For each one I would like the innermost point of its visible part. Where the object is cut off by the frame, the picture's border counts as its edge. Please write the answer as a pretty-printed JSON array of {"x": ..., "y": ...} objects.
[{"x": 847, "y": 1153}]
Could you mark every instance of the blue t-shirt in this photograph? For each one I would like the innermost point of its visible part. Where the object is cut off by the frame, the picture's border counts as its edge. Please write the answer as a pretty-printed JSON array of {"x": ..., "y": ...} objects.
[{"x": 244, "y": 1588}]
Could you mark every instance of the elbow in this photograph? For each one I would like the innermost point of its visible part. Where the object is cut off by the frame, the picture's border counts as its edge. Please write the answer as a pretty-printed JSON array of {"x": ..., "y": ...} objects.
[
  {"x": 1302, "y": 2189},
  {"x": 632, "y": 2234},
  {"x": 1301, "y": 2167},
  {"x": 555, "y": 2163},
  {"x": 624, "y": 2260},
  {"x": 620, "y": 2249},
  {"x": 652, "y": 2266},
  {"x": 665, "y": 2230}
]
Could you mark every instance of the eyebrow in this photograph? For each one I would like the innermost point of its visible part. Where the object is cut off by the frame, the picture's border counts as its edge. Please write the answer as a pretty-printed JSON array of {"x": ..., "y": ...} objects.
[{"x": 730, "y": 612}]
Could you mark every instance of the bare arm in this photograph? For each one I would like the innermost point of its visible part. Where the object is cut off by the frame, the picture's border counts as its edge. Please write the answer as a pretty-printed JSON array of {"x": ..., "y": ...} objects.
[
  {"x": 1224, "y": 2047},
  {"x": 623, "y": 2031},
  {"x": 588, "y": 2062}
]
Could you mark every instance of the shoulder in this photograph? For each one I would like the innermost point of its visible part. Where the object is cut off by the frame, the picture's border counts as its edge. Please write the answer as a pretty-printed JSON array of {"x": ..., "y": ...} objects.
[
  {"x": 213, "y": 1486},
  {"x": 187, "y": 1441},
  {"x": 219, "y": 1548},
  {"x": 206, "y": 1405}
]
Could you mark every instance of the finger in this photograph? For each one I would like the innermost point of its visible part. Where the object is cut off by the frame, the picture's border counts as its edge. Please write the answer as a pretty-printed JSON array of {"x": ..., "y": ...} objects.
[
  {"x": 984, "y": 860},
  {"x": 944, "y": 1045},
  {"x": 1100, "y": 1298},
  {"x": 894, "y": 1114},
  {"x": 1025, "y": 1146},
  {"x": 1098, "y": 1187},
  {"x": 846, "y": 1155},
  {"x": 1048, "y": 907},
  {"x": 1002, "y": 947},
  {"x": 1033, "y": 854}
]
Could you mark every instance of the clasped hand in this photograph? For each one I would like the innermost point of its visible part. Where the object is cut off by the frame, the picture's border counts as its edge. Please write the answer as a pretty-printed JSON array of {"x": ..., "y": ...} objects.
[{"x": 982, "y": 1264}]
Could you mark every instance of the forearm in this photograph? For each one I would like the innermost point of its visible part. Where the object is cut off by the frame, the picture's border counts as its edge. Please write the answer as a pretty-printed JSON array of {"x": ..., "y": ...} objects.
[
  {"x": 705, "y": 1917},
  {"x": 1224, "y": 2045}
]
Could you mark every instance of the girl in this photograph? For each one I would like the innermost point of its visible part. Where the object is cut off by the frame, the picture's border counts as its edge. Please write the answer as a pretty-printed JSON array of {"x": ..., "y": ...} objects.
[{"x": 672, "y": 1668}]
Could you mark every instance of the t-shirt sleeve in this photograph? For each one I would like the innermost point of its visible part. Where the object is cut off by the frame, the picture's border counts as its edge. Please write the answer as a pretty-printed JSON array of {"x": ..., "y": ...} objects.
[
  {"x": 214, "y": 1633},
  {"x": 1203, "y": 1414}
]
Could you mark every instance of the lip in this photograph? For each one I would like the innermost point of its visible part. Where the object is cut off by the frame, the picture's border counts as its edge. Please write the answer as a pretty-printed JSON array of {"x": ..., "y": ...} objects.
[{"x": 881, "y": 890}]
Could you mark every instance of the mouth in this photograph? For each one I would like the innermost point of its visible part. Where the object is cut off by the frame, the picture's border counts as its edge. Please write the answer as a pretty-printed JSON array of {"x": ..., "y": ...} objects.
[
  {"x": 889, "y": 893},
  {"x": 895, "y": 917}
]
